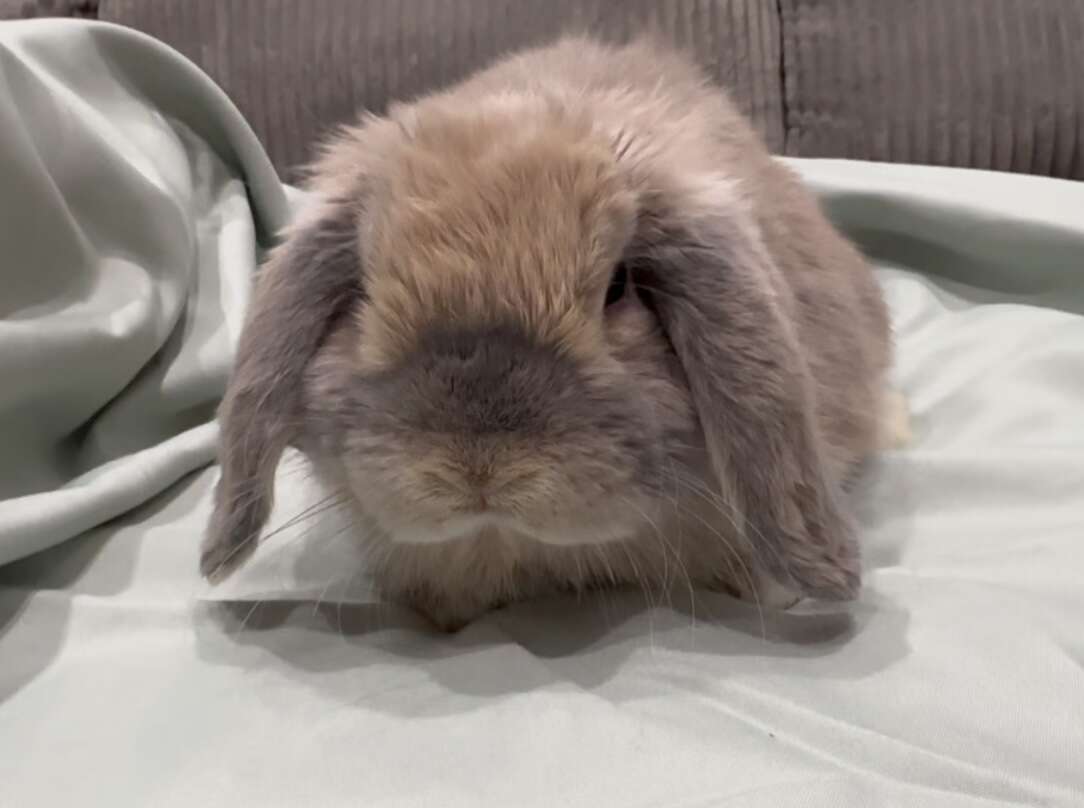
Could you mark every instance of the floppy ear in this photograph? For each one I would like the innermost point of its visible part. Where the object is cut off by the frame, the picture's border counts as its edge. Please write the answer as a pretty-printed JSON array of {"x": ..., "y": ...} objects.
[
  {"x": 306, "y": 281},
  {"x": 722, "y": 301}
]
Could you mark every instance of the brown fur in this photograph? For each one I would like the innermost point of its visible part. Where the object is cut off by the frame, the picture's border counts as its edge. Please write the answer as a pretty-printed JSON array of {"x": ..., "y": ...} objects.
[{"x": 434, "y": 338}]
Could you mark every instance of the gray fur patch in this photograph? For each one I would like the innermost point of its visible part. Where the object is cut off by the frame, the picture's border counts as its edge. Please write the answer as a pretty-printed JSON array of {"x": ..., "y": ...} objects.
[{"x": 307, "y": 280}]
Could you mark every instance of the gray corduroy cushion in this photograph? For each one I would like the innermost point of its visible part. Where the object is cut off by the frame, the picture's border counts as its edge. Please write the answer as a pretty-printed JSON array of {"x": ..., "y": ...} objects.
[
  {"x": 295, "y": 67},
  {"x": 25, "y": 9},
  {"x": 993, "y": 84}
]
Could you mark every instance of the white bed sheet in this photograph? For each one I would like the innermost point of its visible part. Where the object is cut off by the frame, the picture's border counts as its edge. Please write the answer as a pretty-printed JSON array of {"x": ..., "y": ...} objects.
[{"x": 956, "y": 680}]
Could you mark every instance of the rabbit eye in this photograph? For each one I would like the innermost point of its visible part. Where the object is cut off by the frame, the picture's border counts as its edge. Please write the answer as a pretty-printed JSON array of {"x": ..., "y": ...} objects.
[{"x": 618, "y": 284}]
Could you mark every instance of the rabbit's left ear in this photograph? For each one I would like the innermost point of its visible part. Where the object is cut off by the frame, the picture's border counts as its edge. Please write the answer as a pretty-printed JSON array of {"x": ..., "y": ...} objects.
[
  {"x": 311, "y": 277},
  {"x": 723, "y": 303}
]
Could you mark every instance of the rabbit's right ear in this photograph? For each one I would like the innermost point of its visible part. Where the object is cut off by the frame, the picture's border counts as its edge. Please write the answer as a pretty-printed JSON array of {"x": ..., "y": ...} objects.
[
  {"x": 718, "y": 294},
  {"x": 311, "y": 277}
]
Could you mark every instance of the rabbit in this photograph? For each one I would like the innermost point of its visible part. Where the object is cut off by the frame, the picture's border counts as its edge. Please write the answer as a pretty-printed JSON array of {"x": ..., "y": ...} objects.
[{"x": 566, "y": 324}]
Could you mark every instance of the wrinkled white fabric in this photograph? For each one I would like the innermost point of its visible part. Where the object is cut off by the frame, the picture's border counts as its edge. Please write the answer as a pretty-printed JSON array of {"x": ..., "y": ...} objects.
[{"x": 954, "y": 681}]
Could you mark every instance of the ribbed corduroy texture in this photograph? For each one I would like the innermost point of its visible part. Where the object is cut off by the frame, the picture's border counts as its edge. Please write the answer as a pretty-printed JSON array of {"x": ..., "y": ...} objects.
[
  {"x": 24, "y": 9},
  {"x": 296, "y": 67},
  {"x": 993, "y": 84}
]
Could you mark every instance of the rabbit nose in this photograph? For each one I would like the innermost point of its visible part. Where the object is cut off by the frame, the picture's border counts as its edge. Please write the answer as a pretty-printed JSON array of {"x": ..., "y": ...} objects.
[{"x": 492, "y": 381}]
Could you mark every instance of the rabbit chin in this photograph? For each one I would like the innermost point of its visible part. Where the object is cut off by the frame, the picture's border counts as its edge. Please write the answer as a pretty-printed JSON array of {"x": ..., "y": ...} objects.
[{"x": 466, "y": 526}]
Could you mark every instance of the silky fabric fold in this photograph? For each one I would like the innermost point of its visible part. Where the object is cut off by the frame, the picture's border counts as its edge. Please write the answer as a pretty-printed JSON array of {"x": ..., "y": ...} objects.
[{"x": 134, "y": 205}]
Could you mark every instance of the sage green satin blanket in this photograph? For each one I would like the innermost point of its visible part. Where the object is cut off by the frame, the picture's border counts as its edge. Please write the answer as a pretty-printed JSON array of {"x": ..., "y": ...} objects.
[{"x": 134, "y": 206}]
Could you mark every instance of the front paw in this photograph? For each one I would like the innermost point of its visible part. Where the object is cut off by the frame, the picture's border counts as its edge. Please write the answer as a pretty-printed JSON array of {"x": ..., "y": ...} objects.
[
  {"x": 448, "y": 613},
  {"x": 894, "y": 424},
  {"x": 758, "y": 587}
]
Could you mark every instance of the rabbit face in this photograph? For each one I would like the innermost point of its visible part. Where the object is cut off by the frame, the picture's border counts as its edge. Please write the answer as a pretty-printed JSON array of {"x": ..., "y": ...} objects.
[{"x": 502, "y": 368}]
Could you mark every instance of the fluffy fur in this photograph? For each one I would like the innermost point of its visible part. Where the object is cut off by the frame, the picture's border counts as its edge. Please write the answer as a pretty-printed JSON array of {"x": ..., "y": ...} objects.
[{"x": 448, "y": 337}]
